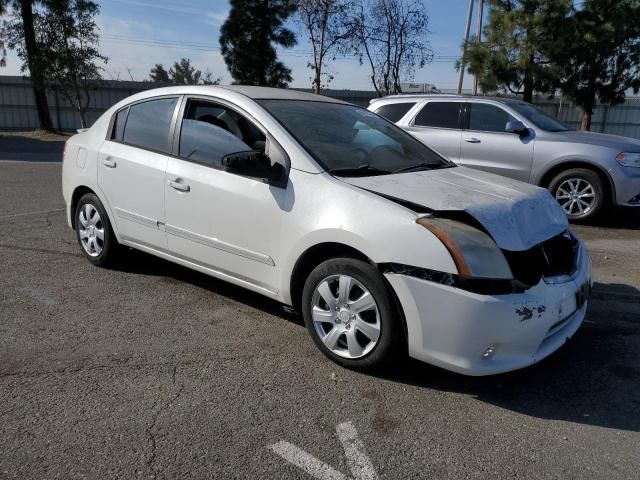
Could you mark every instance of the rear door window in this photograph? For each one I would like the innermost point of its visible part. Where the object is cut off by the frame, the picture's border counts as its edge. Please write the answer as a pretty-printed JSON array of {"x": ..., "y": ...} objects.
[
  {"x": 394, "y": 111},
  {"x": 488, "y": 118},
  {"x": 148, "y": 124},
  {"x": 439, "y": 115}
]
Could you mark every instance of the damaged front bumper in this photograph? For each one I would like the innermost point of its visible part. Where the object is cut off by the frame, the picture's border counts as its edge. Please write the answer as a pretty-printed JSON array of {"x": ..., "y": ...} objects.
[{"x": 478, "y": 334}]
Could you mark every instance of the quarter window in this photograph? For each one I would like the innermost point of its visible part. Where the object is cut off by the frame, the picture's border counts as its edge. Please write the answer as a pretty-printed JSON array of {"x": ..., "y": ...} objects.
[
  {"x": 439, "y": 114},
  {"x": 118, "y": 124},
  {"x": 148, "y": 124},
  {"x": 488, "y": 118},
  {"x": 394, "y": 111}
]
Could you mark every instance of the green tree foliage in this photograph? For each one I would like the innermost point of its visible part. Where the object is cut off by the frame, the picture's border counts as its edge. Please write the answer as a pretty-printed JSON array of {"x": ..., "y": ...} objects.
[
  {"x": 22, "y": 17},
  {"x": 66, "y": 46},
  {"x": 323, "y": 22},
  {"x": 159, "y": 74},
  {"x": 248, "y": 39},
  {"x": 513, "y": 57},
  {"x": 182, "y": 73},
  {"x": 390, "y": 36},
  {"x": 599, "y": 54}
]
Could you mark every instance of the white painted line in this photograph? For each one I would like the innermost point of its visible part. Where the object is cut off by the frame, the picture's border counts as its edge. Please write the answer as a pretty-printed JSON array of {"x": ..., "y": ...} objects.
[
  {"x": 306, "y": 462},
  {"x": 357, "y": 459},
  {"x": 11, "y": 215}
]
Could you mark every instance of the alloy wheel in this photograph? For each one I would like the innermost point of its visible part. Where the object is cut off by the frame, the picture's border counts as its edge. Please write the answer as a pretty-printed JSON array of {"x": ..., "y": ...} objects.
[
  {"x": 91, "y": 230},
  {"x": 345, "y": 316},
  {"x": 576, "y": 196}
]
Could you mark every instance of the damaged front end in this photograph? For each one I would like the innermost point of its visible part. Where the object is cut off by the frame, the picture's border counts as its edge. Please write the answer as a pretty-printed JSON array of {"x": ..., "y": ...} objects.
[{"x": 494, "y": 271}]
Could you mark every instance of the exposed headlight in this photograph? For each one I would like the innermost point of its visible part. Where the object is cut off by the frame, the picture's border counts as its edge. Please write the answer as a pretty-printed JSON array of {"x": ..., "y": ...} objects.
[
  {"x": 475, "y": 253},
  {"x": 629, "y": 159}
]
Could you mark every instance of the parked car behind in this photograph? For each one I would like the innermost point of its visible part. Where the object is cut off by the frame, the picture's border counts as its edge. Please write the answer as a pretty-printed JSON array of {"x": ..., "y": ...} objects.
[
  {"x": 585, "y": 171},
  {"x": 383, "y": 245}
]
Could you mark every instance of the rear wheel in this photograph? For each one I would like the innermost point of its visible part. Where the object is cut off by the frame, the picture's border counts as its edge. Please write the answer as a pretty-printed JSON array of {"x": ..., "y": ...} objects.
[
  {"x": 579, "y": 192},
  {"x": 350, "y": 314},
  {"x": 94, "y": 232}
]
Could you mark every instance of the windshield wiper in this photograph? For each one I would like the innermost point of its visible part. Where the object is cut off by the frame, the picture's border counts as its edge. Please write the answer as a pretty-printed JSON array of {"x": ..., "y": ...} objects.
[
  {"x": 360, "y": 169},
  {"x": 423, "y": 166}
]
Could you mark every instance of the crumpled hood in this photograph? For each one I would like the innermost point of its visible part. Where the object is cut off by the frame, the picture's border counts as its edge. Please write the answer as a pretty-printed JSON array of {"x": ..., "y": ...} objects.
[{"x": 516, "y": 214}]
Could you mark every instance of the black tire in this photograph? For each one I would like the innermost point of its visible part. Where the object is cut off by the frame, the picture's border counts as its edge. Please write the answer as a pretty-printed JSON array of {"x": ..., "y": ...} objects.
[
  {"x": 391, "y": 339},
  {"x": 110, "y": 245},
  {"x": 584, "y": 175}
]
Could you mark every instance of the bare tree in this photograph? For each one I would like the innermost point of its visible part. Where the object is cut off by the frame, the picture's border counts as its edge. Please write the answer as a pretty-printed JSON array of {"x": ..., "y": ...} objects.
[
  {"x": 390, "y": 35},
  {"x": 323, "y": 21}
]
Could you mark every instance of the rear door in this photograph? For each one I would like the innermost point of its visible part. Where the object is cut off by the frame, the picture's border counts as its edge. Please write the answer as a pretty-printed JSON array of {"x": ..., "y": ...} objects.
[
  {"x": 131, "y": 169},
  {"x": 438, "y": 125},
  {"x": 487, "y": 146}
]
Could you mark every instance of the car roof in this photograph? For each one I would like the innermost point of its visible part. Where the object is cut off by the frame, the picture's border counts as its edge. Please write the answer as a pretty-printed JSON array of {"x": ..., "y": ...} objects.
[
  {"x": 264, "y": 93},
  {"x": 414, "y": 97}
]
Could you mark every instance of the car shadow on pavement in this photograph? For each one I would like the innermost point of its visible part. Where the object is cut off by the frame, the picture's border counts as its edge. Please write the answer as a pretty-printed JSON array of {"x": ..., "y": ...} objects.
[
  {"x": 626, "y": 218},
  {"x": 593, "y": 379},
  {"x": 24, "y": 149},
  {"x": 137, "y": 262}
]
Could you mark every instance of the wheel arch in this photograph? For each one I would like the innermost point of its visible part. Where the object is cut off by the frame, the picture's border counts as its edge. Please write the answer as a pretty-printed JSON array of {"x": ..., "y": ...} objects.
[
  {"x": 315, "y": 255},
  {"x": 607, "y": 181}
]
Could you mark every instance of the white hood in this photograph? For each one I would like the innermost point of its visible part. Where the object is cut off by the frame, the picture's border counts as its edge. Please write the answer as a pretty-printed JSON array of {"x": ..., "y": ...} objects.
[{"x": 516, "y": 214}]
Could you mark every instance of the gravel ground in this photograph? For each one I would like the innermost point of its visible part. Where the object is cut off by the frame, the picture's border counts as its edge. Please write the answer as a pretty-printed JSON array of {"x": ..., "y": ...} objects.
[{"x": 154, "y": 371}]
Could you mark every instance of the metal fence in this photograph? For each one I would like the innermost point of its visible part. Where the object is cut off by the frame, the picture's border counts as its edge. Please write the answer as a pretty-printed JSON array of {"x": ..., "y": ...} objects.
[{"x": 18, "y": 112}]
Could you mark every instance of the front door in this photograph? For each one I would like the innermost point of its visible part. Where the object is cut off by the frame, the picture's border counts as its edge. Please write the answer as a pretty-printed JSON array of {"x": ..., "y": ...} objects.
[
  {"x": 131, "y": 170},
  {"x": 487, "y": 146},
  {"x": 215, "y": 218}
]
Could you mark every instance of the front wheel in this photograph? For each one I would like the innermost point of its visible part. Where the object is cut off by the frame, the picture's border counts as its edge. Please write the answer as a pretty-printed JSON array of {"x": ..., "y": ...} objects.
[
  {"x": 579, "y": 192},
  {"x": 351, "y": 314}
]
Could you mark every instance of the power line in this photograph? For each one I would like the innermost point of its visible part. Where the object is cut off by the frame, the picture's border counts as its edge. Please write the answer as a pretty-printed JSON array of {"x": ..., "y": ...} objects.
[{"x": 207, "y": 47}]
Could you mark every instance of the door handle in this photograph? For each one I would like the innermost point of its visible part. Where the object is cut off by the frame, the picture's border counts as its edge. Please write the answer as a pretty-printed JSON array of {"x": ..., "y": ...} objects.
[
  {"x": 178, "y": 185},
  {"x": 107, "y": 162},
  {"x": 472, "y": 140}
]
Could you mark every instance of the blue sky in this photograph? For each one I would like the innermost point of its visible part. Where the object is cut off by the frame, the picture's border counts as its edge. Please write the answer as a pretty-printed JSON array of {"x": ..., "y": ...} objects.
[{"x": 136, "y": 34}]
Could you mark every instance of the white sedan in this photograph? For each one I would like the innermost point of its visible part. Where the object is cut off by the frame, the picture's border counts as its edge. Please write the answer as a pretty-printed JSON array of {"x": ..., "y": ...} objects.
[{"x": 384, "y": 246}]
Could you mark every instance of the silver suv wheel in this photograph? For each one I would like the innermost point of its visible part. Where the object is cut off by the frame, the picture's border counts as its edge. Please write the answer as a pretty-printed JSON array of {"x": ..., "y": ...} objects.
[{"x": 576, "y": 196}]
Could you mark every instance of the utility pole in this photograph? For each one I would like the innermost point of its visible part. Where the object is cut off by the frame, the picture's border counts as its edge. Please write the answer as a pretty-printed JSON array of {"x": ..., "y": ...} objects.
[
  {"x": 479, "y": 29},
  {"x": 464, "y": 46}
]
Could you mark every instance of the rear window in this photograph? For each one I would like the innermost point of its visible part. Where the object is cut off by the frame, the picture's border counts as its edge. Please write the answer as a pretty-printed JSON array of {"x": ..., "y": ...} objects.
[
  {"x": 394, "y": 111},
  {"x": 439, "y": 114},
  {"x": 148, "y": 124}
]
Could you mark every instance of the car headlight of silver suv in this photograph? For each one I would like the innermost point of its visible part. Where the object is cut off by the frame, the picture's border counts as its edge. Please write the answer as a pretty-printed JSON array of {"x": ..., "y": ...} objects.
[
  {"x": 474, "y": 252},
  {"x": 629, "y": 159}
]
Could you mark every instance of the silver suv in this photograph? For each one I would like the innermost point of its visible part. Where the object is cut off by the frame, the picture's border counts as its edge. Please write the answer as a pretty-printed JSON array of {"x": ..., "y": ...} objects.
[{"x": 584, "y": 171}]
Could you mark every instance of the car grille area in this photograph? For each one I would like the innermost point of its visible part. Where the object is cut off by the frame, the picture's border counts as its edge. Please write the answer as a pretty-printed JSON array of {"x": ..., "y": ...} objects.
[{"x": 555, "y": 257}]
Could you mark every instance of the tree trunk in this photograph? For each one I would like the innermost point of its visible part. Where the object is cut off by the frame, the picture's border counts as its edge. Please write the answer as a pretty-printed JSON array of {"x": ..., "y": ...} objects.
[
  {"x": 586, "y": 119},
  {"x": 316, "y": 81},
  {"x": 527, "y": 94},
  {"x": 35, "y": 69}
]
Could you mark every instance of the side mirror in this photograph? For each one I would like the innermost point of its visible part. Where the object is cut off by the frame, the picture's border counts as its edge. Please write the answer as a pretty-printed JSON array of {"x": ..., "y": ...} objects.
[
  {"x": 516, "y": 127},
  {"x": 255, "y": 163}
]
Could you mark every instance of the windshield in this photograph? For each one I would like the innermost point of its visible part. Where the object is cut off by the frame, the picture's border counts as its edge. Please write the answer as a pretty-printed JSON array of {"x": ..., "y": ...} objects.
[
  {"x": 538, "y": 117},
  {"x": 351, "y": 141}
]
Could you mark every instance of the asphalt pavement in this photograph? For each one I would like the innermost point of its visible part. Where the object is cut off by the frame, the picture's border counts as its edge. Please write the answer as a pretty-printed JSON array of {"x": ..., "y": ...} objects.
[{"x": 151, "y": 370}]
